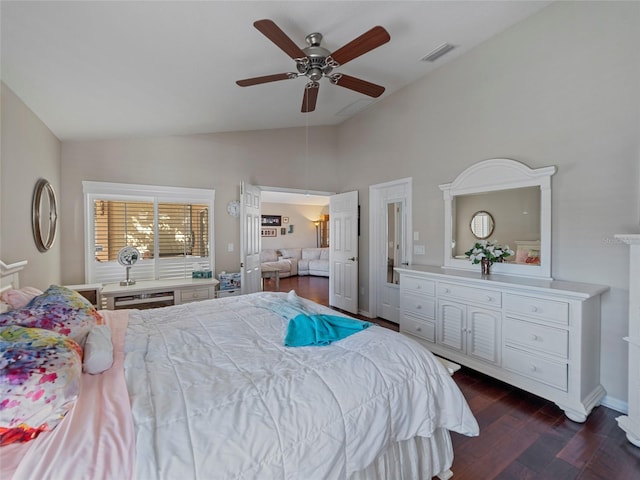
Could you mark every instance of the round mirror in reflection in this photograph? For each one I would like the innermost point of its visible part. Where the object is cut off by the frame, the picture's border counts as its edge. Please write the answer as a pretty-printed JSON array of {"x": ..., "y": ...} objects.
[{"x": 482, "y": 225}]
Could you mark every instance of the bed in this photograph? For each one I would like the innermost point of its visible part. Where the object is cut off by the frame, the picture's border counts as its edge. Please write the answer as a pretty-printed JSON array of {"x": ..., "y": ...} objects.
[{"x": 208, "y": 390}]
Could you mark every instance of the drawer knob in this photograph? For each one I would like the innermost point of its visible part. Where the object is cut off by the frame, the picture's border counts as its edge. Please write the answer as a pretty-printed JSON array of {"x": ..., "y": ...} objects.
[
  {"x": 446, "y": 290},
  {"x": 418, "y": 307},
  {"x": 533, "y": 308},
  {"x": 418, "y": 329},
  {"x": 533, "y": 368},
  {"x": 418, "y": 287},
  {"x": 489, "y": 298},
  {"x": 534, "y": 336}
]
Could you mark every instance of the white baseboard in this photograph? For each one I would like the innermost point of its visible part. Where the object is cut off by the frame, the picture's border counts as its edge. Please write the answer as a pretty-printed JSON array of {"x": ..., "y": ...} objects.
[{"x": 615, "y": 404}]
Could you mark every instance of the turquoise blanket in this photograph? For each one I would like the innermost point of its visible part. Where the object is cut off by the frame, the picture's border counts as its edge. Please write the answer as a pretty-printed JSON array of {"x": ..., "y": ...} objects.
[
  {"x": 307, "y": 329},
  {"x": 316, "y": 329}
]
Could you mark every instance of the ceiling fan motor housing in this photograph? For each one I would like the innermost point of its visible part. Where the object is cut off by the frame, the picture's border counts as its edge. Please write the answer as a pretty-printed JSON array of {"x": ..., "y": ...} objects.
[{"x": 314, "y": 65}]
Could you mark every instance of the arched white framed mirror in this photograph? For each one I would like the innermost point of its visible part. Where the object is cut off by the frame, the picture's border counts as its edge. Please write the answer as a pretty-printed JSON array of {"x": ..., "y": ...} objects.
[{"x": 519, "y": 199}]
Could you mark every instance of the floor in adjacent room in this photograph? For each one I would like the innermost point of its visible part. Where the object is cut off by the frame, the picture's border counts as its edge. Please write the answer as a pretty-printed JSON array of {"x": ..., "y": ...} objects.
[{"x": 522, "y": 436}]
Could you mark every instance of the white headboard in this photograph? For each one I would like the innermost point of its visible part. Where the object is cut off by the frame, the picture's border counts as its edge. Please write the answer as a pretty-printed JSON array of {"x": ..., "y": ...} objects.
[{"x": 10, "y": 277}]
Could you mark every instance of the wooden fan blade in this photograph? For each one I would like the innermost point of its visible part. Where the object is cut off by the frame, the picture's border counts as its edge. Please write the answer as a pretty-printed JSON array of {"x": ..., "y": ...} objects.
[
  {"x": 310, "y": 97},
  {"x": 247, "y": 82},
  {"x": 277, "y": 36},
  {"x": 364, "y": 43},
  {"x": 358, "y": 85}
]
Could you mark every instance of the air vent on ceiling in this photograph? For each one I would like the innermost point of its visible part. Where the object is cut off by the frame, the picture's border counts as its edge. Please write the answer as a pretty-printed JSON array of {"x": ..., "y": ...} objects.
[{"x": 438, "y": 52}]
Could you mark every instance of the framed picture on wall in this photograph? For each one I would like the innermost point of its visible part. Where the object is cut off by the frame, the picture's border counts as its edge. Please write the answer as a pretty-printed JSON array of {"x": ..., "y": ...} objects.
[
  {"x": 283, "y": 231},
  {"x": 271, "y": 220},
  {"x": 269, "y": 232}
]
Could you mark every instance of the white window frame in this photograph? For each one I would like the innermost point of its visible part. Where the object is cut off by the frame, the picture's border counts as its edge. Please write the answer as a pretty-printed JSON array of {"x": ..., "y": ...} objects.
[{"x": 147, "y": 269}]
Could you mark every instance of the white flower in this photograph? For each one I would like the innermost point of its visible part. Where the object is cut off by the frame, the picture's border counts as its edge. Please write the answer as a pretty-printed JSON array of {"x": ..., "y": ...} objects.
[{"x": 489, "y": 250}]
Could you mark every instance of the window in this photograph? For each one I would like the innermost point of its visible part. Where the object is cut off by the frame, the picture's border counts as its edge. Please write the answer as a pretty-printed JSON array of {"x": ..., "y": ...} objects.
[{"x": 171, "y": 227}]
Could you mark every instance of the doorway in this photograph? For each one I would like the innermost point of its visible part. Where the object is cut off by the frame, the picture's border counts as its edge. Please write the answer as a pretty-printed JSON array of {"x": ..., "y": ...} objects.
[
  {"x": 302, "y": 223},
  {"x": 389, "y": 244}
]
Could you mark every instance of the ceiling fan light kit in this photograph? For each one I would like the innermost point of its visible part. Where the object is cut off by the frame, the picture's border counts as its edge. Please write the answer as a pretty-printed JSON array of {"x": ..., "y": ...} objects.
[{"x": 316, "y": 62}]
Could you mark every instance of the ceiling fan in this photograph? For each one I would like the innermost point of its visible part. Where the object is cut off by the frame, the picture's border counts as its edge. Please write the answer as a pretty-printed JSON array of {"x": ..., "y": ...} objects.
[{"x": 315, "y": 62}]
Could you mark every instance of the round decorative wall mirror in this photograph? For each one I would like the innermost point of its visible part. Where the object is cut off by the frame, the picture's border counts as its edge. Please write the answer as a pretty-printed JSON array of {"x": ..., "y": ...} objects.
[
  {"x": 482, "y": 225},
  {"x": 44, "y": 215}
]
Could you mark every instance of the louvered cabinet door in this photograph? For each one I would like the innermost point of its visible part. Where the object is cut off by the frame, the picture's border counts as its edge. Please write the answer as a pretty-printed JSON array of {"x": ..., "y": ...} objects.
[
  {"x": 483, "y": 334},
  {"x": 452, "y": 325}
]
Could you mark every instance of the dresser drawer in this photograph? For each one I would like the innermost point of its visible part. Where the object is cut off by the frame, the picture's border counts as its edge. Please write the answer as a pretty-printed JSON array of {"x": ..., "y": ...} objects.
[
  {"x": 419, "y": 328},
  {"x": 482, "y": 296},
  {"x": 418, "y": 285},
  {"x": 194, "y": 294},
  {"x": 539, "y": 369},
  {"x": 419, "y": 305},
  {"x": 548, "y": 310},
  {"x": 536, "y": 337}
]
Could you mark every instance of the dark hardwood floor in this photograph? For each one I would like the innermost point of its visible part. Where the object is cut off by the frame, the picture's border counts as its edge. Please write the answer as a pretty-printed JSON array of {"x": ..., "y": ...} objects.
[{"x": 522, "y": 436}]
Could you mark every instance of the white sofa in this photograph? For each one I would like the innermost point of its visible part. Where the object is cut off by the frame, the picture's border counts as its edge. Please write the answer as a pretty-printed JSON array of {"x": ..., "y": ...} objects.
[
  {"x": 272, "y": 258},
  {"x": 303, "y": 261}
]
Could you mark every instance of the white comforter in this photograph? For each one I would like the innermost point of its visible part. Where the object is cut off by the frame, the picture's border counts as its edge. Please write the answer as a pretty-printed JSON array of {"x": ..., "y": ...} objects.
[{"x": 215, "y": 394}]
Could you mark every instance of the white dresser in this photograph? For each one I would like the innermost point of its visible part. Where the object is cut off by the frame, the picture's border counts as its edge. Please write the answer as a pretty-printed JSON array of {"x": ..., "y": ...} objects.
[
  {"x": 630, "y": 423},
  {"x": 541, "y": 336}
]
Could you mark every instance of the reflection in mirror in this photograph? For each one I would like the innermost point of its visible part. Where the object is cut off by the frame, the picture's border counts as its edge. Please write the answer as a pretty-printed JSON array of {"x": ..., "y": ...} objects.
[
  {"x": 519, "y": 199},
  {"x": 517, "y": 219},
  {"x": 481, "y": 225},
  {"x": 395, "y": 250}
]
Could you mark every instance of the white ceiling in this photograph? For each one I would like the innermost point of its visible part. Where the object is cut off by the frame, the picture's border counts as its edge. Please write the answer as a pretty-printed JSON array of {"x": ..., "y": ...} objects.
[{"x": 103, "y": 69}]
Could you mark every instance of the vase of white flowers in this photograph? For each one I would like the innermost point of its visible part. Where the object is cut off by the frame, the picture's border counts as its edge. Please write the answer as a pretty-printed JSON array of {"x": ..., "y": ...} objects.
[{"x": 486, "y": 253}]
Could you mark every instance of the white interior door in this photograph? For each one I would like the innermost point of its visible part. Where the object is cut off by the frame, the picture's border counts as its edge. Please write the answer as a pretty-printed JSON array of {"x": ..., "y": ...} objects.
[
  {"x": 343, "y": 251},
  {"x": 389, "y": 245},
  {"x": 250, "y": 238}
]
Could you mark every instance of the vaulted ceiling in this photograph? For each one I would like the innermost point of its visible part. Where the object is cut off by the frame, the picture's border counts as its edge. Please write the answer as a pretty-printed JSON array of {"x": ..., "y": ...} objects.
[{"x": 103, "y": 69}]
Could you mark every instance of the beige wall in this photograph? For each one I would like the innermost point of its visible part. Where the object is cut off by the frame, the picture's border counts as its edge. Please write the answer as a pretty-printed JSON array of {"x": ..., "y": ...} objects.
[
  {"x": 218, "y": 161},
  {"x": 560, "y": 88},
  {"x": 29, "y": 151},
  {"x": 301, "y": 217}
]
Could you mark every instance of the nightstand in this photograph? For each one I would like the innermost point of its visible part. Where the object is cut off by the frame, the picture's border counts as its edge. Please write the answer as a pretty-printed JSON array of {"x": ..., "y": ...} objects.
[
  {"x": 159, "y": 293},
  {"x": 91, "y": 292}
]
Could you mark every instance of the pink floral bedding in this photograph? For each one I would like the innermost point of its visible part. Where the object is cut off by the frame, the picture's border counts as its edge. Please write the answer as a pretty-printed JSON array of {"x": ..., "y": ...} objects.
[{"x": 101, "y": 444}]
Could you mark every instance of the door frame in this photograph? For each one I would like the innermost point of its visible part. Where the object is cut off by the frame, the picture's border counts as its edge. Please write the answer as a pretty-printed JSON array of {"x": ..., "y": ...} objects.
[{"x": 379, "y": 194}]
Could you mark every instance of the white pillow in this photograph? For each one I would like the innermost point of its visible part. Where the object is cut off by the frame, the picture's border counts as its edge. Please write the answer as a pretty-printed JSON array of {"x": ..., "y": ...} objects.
[{"x": 98, "y": 350}]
